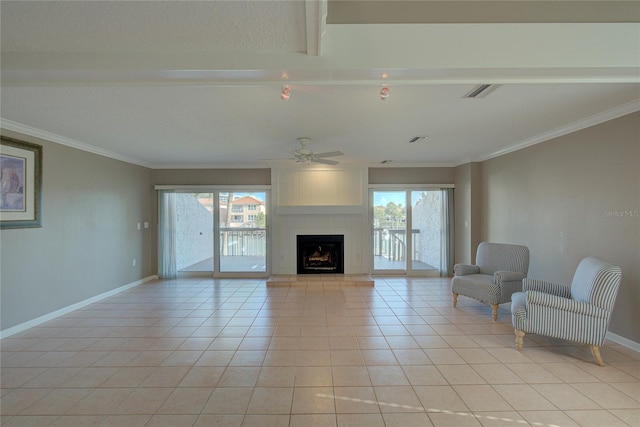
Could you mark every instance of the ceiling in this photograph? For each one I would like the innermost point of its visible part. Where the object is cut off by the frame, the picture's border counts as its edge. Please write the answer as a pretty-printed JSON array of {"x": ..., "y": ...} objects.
[{"x": 197, "y": 84}]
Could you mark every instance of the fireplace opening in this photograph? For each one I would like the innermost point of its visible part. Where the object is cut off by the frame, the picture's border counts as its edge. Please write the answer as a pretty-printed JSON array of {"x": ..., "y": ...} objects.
[{"x": 320, "y": 254}]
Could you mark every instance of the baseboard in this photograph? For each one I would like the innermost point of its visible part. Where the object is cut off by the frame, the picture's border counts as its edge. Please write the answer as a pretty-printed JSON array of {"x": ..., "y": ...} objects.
[
  {"x": 625, "y": 342},
  {"x": 38, "y": 320}
]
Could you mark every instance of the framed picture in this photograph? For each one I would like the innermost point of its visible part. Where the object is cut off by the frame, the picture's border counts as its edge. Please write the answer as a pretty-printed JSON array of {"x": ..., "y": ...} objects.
[{"x": 20, "y": 183}]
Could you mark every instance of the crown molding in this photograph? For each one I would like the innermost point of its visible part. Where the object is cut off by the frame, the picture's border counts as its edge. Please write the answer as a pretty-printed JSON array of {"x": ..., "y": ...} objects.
[
  {"x": 596, "y": 119},
  {"x": 593, "y": 120},
  {"x": 62, "y": 140}
]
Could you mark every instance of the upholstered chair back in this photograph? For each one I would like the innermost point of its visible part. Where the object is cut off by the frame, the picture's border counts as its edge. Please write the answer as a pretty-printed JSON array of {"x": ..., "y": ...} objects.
[
  {"x": 492, "y": 257},
  {"x": 596, "y": 282}
]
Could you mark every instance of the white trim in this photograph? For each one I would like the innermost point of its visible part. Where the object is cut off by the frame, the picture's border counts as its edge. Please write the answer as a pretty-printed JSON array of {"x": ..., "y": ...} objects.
[
  {"x": 38, "y": 320},
  {"x": 402, "y": 187},
  {"x": 320, "y": 210},
  {"x": 625, "y": 342},
  {"x": 244, "y": 188},
  {"x": 63, "y": 140},
  {"x": 596, "y": 119}
]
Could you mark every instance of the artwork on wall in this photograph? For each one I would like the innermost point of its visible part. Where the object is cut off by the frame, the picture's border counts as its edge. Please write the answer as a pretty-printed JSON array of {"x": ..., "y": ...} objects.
[{"x": 20, "y": 183}]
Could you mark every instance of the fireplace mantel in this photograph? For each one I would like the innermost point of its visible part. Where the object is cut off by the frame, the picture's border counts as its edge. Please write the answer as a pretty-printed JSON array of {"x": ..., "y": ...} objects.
[{"x": 320, "y": 200}]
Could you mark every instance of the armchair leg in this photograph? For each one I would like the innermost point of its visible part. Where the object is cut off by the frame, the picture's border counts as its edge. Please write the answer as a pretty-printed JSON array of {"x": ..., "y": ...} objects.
[
  {"x": 494, "y": 310},
  {"x": 595, "y": 350},
  {"x": 455, "y": 299},
  {"x": 519, "y": 339}
]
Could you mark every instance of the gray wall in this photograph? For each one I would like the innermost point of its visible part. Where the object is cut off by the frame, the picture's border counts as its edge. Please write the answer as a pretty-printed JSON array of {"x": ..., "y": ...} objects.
[
  {"x": 571, "y": 197},
  {"x": 467, "y": 212},
  {"x": 212, "y": 176},
  {"x": 88, "y": 239},
  {"x": 411, "y": 175}
]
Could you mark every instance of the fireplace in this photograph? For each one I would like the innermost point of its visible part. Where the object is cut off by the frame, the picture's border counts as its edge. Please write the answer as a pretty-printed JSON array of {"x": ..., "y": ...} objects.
[{"x": 320, "y": 254}]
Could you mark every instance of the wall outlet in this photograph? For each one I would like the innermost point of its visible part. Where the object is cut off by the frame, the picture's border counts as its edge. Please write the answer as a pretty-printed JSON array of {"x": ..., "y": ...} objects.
[
  {"x": 146, "y": 224},
  {"x": 134, "y": 262},
  {"x": 138, "y": 226}
]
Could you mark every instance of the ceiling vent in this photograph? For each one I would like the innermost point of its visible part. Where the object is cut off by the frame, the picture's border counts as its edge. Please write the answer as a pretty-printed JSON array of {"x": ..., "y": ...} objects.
[
  {"x": 481, "y": 91},
  {"x": 417, "y": 139}
]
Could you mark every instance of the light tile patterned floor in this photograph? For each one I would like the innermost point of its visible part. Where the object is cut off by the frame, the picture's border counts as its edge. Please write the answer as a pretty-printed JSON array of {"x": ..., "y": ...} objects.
[{"x": 199, "y": 352}]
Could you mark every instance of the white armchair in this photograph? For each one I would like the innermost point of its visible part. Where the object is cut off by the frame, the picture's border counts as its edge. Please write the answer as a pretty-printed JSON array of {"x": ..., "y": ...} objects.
[{"x": 579, "y": 313}]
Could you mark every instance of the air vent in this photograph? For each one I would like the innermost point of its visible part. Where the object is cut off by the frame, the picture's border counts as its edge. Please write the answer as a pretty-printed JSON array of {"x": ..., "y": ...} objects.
[
  {"x": 481, "y": 91},
  {"x": 417, "y": 139},
  {"x": 384, "y": 162}
]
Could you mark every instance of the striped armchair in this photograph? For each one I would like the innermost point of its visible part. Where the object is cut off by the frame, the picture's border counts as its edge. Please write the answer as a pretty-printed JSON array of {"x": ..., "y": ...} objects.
[
  {"x": 497, "y": 274},
  {"x": 579, "y": 313}
]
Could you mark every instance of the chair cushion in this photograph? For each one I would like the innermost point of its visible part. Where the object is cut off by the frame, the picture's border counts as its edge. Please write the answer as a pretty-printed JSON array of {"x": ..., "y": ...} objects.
[{"x": 478, "y": 286}]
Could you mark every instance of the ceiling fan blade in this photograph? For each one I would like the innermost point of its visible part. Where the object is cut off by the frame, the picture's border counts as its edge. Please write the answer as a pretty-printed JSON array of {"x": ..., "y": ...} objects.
[
  {"x": 323, "y": 161},
  {"x": 329, "y": 154}
]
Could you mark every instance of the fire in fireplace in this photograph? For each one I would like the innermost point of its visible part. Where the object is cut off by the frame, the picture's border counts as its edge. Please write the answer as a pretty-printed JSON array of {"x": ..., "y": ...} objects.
[{"x": 320, "y": 254}]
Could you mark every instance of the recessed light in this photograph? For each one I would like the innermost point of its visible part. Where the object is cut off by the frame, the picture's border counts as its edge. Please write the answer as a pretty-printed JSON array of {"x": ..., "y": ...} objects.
[
  {"x": 417, "y": 139},
  {"x": 481, "y": 91}
]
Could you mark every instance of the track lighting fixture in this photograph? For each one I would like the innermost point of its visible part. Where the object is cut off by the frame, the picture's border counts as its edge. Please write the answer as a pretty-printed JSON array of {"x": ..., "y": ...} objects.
[
  {"x": 384, "y": 93},
  {"x": 286, "y": 93}
]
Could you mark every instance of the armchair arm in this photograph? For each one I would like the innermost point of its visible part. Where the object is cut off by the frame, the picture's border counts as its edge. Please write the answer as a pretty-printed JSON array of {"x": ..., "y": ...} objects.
[
  {"x": 564, "y": 304},
  {"x": 464, "y": 269},
  {"x": 507, "y": 276},
  {"x": 556, "y": 289}
]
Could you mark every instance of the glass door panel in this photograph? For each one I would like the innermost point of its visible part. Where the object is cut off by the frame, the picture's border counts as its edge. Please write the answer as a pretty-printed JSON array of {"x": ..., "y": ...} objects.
[
  {"x": 194, "y": 232},
  {"x": 243, "y": 236},
  {"x": 427, "y": 230},
  {"x": 389, "y": 231}
]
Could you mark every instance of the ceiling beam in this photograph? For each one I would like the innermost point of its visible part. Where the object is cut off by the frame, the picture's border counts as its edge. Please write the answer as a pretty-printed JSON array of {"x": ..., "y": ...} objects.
[{"x": 316, "y": 24}]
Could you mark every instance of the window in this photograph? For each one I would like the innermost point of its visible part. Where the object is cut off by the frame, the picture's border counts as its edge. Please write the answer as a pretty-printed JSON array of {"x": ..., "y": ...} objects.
[
  {"x": 252, "y": 217},
  {"x": 237, "y": 218},
  {"x": 237, "y": 208},
  {"x": 253, "y": 207},
  {"x": 411, "y": 231}
]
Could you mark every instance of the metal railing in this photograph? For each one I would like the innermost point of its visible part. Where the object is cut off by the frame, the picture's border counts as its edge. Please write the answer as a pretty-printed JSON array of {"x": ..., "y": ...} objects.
[
  {"x": 243, "y": 241},
  {"x": 391, "y": 243}
]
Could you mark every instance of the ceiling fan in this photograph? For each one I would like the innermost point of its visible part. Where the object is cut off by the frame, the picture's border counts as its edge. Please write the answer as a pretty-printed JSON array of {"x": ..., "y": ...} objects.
[{"x": 304, "y": 154}]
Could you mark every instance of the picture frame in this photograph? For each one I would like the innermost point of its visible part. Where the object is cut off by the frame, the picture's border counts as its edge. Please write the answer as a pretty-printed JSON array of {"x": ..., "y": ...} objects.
[{"x": 20, "y": 184}]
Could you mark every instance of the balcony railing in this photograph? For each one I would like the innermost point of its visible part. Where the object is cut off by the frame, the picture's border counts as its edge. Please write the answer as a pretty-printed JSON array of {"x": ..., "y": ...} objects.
[
  {"x": 391, "y": 243},
  {"x": 243, "y": 241}
]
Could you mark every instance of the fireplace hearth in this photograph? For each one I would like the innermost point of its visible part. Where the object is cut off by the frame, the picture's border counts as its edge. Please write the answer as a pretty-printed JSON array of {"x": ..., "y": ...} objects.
[{"x": 320, "y": 254}]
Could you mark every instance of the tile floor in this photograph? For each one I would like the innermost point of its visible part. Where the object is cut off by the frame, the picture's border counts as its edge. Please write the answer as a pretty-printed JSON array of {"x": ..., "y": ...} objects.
[{"x": 199, "y": 352}]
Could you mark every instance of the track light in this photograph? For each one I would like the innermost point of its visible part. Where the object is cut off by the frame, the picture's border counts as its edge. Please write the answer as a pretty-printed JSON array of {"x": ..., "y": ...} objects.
[
  {"x": 384, "y": 93},
  {"x": 286, "y": 93}
]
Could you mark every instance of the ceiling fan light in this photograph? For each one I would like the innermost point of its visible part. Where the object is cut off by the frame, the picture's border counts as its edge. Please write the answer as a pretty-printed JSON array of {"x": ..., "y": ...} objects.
[
  {"x": 286, "y": 93},
  {"x": 384, "y": 93}
]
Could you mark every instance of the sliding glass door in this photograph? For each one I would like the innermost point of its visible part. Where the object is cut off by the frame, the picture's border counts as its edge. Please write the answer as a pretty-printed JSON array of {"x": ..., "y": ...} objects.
[
  {"x": 411, "y": 231},
  {"x": 427, "y": 224},
  {"x": 194, "y": 232},
  {"x": 243, "y": 232},
  {"x": 220, "y": 232},
  {"x": 389, "y": 231}
]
